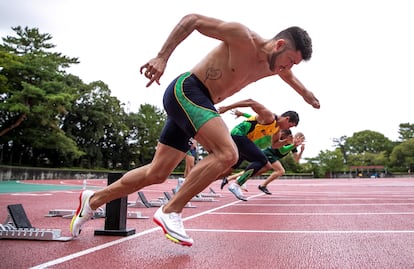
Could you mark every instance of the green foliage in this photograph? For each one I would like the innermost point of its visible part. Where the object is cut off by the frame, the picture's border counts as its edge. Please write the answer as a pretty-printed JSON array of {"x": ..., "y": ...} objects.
[
  {"x": 368, "y": 148},
  {"x": 368, "y": 141},
  {"x": 33, "y": 95},
  {"x": 96, "y": 122},
  {"x": 290, "y": 165},
  {"x": 340, "y": 143},
  {"x": 403, "y": 155},
  {"x": 49, "y": 117},
  {"x": 406, "y": 131},
  {"x": 368, "y": 158},
  {"x": 28, "y": 41},
  {"x": 331, "y": 161},
  {"x": 150, "y": 121}
]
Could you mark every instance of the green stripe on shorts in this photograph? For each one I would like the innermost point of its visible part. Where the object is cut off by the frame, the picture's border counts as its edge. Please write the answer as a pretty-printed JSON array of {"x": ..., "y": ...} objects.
[{"x": 197, "y": 115}]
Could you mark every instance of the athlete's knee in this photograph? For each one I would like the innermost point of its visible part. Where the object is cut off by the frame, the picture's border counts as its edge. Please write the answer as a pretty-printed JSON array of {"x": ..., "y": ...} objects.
[
  {"x": 228, "y": 157},
  {"x": 156, "y": 176},
  {"x": 157, "y": 179},
  {"x": 280, "y": 172}
]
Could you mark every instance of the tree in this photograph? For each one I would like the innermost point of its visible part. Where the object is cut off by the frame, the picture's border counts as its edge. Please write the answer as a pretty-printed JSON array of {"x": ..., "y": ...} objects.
[
  {"x": 96, "y": 123},
  {"x": 34, "y": 93},
  {"x": 368, "y": 158},
  {"x": 31, "y": 81},
  {"x": 290, "y": 164},
  {"x": 406, "y": 131},
  {"x": 331, "y": 161},
  {"x": 340, "y": 143},
  {"x": 150, "y": 121},
  {"x": 368, "y": 141},
  {"x": 402, "y": 155},
  {"x": 10, "y": 117}
]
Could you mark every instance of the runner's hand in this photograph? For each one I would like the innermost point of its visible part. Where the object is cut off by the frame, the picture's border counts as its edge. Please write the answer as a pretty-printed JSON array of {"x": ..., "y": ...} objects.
[{"x": 154, "y": 69}]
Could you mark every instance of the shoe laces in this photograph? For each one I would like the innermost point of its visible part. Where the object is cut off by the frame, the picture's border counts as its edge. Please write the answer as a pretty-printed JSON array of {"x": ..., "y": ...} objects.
[
  {"x": 237, "y": 189},
  {"x": 176, "y": 221}
]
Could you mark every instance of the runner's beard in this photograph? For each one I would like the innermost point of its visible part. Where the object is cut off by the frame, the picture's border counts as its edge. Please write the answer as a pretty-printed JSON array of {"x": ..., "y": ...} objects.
[{"x": 272, "y": 60}]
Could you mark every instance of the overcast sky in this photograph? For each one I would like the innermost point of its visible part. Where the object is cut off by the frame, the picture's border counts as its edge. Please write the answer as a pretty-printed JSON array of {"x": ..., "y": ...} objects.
[{"x": 360, "y": 70}]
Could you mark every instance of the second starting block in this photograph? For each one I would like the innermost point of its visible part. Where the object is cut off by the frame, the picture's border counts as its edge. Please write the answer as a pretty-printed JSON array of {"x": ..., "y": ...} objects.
[{"x": 18, "y": 226}]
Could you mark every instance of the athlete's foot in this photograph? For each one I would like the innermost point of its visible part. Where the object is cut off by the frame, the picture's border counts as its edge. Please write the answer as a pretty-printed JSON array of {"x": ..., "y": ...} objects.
[
  {"x": 224, "y": 182},
  {"x": 172, "y": 225},
  {"x": 264, "y": 189},
  {"x": 236, "y": 190},
  {"x": 83, "y": 213}
]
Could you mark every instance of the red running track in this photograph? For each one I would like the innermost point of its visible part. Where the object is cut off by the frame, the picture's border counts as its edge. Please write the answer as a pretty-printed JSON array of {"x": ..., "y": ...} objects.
[{"x": 338, "y": 223}]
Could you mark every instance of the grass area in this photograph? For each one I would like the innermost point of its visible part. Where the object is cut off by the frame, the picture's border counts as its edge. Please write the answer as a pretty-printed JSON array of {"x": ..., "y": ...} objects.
[{"x": 17, "y": 186}]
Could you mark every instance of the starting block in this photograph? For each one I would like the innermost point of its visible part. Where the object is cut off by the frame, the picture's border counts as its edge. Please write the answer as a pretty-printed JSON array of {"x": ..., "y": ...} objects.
[
  {"x": 34, "y": 234},
  {"x": 65, "y": 213},
  {"x": 18, "y": 226},
  {"x": 142, "y": 201},
  {"x": 211, "y": 193},
  {"x": 99, "y": 213},
  {"x": 135, "y": 215},
  {"x": 201, "y": 197},
  {"x": 168, "y": 197}
]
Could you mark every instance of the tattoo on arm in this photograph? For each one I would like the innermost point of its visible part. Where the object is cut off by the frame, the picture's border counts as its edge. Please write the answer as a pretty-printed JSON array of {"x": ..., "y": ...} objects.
[
  {"x": 213, "y": 74},
  {"x": 182, "y": 27}
]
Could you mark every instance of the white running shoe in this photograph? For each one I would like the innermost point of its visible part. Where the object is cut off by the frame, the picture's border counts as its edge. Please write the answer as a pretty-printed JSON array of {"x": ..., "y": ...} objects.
[
  {"x": 236, "y": 190},
  {"x": 173, "y": 227},
  {"x": 83, "y": 213}
]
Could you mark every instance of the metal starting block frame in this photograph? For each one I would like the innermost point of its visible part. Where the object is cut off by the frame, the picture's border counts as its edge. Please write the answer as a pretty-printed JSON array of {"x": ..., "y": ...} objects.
[
  {"x": 18, "y": 226},
  {"x": 99, "y": 213},
  {"x": 34, "y": 234},
  {"x": 168, "y": 197},
  {"x": 64, "y": 213},
  {"x": 211, "y": 194},
  {"x": 200, "y": 198},
  {"x": 203, "y": 197},
  {"x": 142, "y": 201}
]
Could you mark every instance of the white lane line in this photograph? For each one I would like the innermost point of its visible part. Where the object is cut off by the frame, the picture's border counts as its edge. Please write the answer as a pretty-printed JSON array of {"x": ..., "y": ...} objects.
[
  {"x": 30, "y": 194},
  {"x": 287, "y": 198},
  {"x": 305, "y": 232},
  {"x": 91, "y": 250},
  {"x": 131, "y": 237},
  {"x": 315, "y": 214},
  {"x": 317, "y": 204},
  {"x": 342, "y": 193},
  {"x": 119, "y": 241}
]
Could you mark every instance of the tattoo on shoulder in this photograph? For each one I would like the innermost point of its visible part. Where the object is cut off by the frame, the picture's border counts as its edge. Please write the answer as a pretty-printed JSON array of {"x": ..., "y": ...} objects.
[{"x": 213, "y": 74}]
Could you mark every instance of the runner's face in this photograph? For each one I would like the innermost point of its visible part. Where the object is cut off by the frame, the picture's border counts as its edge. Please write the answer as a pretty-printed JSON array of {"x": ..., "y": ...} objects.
[
  {"x": 284, "y": 135},
  {"x": 284, "y": 59},
  {"x": 285, "y": 124},
  {"x": 299, "y": 138}
]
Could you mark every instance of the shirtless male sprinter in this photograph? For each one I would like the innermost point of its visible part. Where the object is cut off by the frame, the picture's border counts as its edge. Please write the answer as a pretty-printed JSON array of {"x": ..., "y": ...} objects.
[{"x": 242, "y": 57}]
